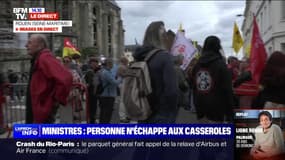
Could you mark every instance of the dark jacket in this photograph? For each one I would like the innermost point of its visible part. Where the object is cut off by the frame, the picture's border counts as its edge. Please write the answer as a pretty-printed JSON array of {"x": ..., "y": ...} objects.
[
  {"x": 92, "y": 80},
  {"x": 163, "y": 99},
  {"x": 276, "y": 95},
  {"x": 213, "y": 95}
]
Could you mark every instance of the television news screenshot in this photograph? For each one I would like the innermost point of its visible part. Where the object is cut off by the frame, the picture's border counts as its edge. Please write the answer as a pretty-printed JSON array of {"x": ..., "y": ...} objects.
[{"x": 142, "y": 80}]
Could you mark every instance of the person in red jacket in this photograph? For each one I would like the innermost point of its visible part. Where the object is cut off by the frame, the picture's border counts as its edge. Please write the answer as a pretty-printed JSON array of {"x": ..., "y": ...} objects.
[
  {"x": 247, "y": 90},
  {"x": 49, "y": 82}
]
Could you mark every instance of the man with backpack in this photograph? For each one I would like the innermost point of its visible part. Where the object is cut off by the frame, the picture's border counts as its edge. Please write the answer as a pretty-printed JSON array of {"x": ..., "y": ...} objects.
[{"x": 163, "y": 80}]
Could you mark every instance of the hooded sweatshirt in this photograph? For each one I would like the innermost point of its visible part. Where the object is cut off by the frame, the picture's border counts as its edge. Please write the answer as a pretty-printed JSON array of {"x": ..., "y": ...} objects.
[{"x": 213, "y": 95}]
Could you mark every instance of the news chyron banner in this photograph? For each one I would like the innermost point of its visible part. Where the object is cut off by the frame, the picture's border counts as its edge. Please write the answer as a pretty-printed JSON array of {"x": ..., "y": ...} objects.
[
  {"x": 124, "y": 141},
  {"x": 121, "y": 131},
  {"x": 38, "y": 20}
]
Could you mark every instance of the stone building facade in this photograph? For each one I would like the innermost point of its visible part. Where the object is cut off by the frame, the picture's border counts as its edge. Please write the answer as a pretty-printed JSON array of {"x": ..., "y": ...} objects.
[{"x": 97, "y": 28}]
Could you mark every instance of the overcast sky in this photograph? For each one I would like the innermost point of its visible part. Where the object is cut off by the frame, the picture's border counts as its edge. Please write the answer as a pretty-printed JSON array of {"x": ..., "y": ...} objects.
[{"x": 199, "y": 18}]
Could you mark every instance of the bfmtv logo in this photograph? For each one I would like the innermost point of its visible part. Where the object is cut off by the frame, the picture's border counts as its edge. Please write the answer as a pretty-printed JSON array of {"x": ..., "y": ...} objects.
[{"x": 31, "y": 131}]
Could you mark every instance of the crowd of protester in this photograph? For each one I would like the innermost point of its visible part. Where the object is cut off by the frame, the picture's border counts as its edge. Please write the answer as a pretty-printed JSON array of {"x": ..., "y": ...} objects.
[{"x": 212, "y": 86}]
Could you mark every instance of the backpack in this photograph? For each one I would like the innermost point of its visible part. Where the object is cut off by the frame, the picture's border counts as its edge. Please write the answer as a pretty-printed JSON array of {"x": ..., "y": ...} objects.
[{"x": 136, "y": 87}]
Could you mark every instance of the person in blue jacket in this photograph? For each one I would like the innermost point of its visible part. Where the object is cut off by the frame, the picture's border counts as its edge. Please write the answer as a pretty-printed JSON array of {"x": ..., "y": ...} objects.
[{"x": 107, "y": 97}]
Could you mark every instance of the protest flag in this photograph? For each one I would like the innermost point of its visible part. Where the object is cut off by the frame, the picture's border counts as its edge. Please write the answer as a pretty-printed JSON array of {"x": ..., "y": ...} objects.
[
  {"x": 237, "y": 42},
  {"x": 257, "y": 53},
  {"x": 69, "y": 49},
  {"x": 183, "y": 46}
]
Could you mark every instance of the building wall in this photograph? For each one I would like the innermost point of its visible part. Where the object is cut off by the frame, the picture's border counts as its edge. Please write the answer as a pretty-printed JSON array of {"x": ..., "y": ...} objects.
[
  {"x": 107, "y": 17},
  {"x": 270, "y": 16}
]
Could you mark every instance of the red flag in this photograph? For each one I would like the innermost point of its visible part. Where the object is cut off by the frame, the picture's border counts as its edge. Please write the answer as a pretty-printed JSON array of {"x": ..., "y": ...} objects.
[
  {"x": 257, "y": 53},
  {"x": 69, "y": 48}
]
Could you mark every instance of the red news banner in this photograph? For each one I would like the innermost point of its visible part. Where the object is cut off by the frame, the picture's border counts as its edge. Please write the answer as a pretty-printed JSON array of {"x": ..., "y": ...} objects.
[{"x": 43, "y": 16}]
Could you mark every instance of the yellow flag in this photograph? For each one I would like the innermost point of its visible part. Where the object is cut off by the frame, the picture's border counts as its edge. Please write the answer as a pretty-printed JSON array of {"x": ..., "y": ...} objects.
[{"x": 237, "y": 39}]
